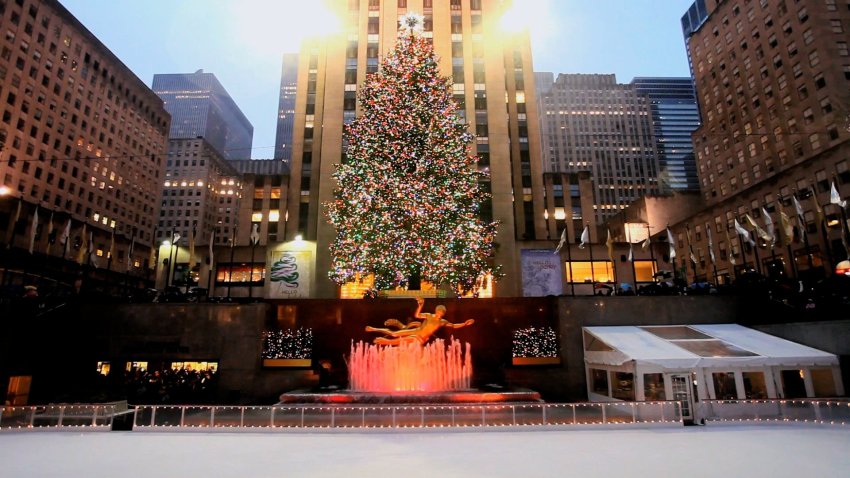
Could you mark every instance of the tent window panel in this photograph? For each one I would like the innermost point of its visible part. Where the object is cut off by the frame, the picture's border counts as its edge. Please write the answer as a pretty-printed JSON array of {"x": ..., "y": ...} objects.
[
  {"x": 823, "y": 382},
  {"x": 653, "y": 387},
  {"x": 754, "y": 387},
  {"x": 623, "y": 386},
  {"x": 600, "y": 381},
  {"x": 588, "y": 272},
  {"x": 724, "y": 386}
]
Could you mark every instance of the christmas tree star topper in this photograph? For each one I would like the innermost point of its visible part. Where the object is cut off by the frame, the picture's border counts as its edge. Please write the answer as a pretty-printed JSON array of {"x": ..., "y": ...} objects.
[{"x": 411, "y": 23}]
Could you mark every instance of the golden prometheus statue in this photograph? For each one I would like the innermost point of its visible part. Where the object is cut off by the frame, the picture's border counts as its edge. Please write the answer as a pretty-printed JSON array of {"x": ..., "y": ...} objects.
[{"x": 417, "y": 331}]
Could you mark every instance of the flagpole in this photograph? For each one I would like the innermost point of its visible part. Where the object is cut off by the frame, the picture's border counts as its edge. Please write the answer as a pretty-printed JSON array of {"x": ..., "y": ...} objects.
[
  {"x": 803, "y": 226},
  {"x": 821, "y": 218},
  {"x": 592, "y": 270},
  {"x": 651, "y": 253},
  {"x": 251, "y": 279},
  {"x": 845, "y": 232},
  {"x": 570, "y": 262},
  {"x": 230, "y": 272},
  {"x": 632, "y": 253}
]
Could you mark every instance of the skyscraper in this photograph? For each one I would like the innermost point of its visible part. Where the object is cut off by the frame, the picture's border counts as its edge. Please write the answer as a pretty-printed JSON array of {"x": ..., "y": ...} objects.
[
  {"x": 201, "y": 107},
  {"x": 493, "y": 79},
  {"x": 675, "y": 116},
  {"x": 592, "y": 123},
  {"x": 286, "y": 108},
  {"x": 84, "y": 142},
  {"x": 772, "y": 82}
]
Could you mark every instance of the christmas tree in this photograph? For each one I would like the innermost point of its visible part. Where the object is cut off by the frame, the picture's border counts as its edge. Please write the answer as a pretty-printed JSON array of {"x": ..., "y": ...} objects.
[{"x": 407, "y": 202}]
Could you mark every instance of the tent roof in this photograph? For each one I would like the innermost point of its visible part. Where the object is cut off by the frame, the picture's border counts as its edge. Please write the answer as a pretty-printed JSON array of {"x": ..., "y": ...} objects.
[{"x": 708, "y": 345}]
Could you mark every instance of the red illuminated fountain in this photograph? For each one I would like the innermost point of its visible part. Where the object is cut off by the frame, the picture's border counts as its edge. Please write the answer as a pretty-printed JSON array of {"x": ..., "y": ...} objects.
[{"x": 402, "y": 366}]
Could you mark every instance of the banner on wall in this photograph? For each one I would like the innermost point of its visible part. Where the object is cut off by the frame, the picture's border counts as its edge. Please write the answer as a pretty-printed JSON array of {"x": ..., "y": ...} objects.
[
  {"x": 291, "y": 274},
  {"x": 541, "y": 273}
]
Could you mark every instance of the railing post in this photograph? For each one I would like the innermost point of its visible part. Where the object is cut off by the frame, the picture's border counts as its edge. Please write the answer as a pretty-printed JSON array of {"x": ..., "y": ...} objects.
[
  {"x": 212, "y": 417},
  {"x": 604, "y": 415},
  {"x": 574, "y": 413},
  {"x": 544, "y": 413},
  {"x": 513, "y": 415},
  {"x": 421, "y": 417},
  {"x": 483, "y": 420},
  {"x": 153, "y": 414},
  {"x": 363, "y": 417},
  {"x": 393, "y": 409},
  {"x": 453, "y": 416},
  {"x": 182, "y": 416},
  {"x": 242, "y": 418},
  {"x": 271, "y": 420},
  {"x": 94, "y": 416},
  {"x": 61, "y": 415},
  {"x": 302, "y": 417},
  {"x": 634, "y": 413},
  {"x": 32, "y": 416},
  {"x": 333, "y": 417}
]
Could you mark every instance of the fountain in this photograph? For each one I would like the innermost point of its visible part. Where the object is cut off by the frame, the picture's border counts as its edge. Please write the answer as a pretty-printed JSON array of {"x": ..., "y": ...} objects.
[{"x": 410, "y": 367}]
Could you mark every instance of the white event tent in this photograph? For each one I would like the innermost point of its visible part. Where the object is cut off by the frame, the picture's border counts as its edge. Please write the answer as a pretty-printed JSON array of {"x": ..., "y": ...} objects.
[{"x": 712, "y": 361}]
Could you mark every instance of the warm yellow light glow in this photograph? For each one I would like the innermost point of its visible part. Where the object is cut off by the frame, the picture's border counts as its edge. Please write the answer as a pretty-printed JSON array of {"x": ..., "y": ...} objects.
[
  {"x": 523, "y": 14},
  {"x": 268, "y": 28},
  {"x": 560, "y": 215},
  {"x": 274, "y": 215}
]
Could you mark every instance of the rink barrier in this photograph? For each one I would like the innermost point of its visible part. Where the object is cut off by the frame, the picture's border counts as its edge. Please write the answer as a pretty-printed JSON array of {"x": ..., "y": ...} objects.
[
  {"x": 767, "y": 411},
  {"x": 339, "y": 417},
  {"x": 74, "y": 417}
]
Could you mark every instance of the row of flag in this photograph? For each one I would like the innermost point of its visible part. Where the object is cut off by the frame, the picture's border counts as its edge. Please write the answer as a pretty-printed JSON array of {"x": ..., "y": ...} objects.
[{"x": 766, "y": 234}]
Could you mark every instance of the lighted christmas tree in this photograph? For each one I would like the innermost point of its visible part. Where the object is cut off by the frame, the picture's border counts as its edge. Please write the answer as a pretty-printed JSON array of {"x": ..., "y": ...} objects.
[{"x": 408, "y": 200}]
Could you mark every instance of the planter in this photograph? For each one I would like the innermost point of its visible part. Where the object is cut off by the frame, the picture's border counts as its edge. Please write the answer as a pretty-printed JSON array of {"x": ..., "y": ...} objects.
[
  {"x": 536, "y": 361},
  {"x": 287, "y": 363}
]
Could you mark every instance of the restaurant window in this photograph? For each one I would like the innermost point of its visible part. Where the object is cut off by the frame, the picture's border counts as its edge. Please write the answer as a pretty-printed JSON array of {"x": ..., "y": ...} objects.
[
  {"x": 587, "y": 271},
  {"x": 240, "y": 274},
  {"x": 644, "y": 271},
  {"x": 653, "y": 386}
]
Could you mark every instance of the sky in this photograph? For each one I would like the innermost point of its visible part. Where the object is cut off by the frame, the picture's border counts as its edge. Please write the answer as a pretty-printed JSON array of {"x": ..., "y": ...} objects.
[{"x": 242, "y": 41}]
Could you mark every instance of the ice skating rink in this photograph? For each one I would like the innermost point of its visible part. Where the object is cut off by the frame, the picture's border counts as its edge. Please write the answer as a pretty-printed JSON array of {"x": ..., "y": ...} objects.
[{"x": 712, "y": 451}]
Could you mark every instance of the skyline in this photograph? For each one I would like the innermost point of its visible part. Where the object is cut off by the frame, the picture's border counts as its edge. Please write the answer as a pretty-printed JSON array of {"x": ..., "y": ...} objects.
[{"x": 627, "y": 38}]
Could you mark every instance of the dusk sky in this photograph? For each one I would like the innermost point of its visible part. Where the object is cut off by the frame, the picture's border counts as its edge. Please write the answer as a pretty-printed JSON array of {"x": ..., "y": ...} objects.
[{"x": 242, "y": 41}]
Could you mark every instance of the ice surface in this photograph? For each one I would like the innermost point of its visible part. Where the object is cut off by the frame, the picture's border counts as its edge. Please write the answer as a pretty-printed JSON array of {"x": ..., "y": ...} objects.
[{"x": 711, "y": 451}]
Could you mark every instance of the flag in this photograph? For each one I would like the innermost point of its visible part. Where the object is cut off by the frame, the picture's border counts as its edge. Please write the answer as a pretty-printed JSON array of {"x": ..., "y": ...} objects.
[
  {"x": 645, "y": 244},
  {"x": 835, "y": 198},
  {"x": 92, "y": 251},
  {"x": 33, "y": 229},
  {"x": 744, "y": 232},
  {"x": 152, "y": 256},
  {"x": 769, "y": 229},
  {"x": 818, "y": 210},
  {"x": 66, "y": 234},
  {"x": 212, "y": 242},
  {"x": 15, "y": 218},
  {"x": 51, "y": 236},
  {"x": 731, "y": 249},
  {"x": 81, "y": 254},
  {"x": 562, "y": 242},
  {"x": 799, "y": 208},
  {"x": 255, "y": 234},
  {"x": 130, "y": 253},
  {"x": 711, "y": 247},
  {"x": 631, "y": 252},
  {"x": 785, "y": 227},
  {"x": 690, "y": 245},
  {"x": 111, "y": 253},
  {"x": 192, "y": 248},
  {"x": 672, "y": 243},
  {"x": 585, "y": 237},
  {"x": 758, "y": 230},
  {"x": 609, "y": 243}
]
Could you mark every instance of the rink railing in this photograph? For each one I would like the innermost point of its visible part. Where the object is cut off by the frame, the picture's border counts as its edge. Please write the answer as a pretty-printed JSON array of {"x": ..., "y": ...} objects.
[
  {"x": 826, "y": 412},
  {"x": 315, "y": 416},
  {"x": 76, "y": 417}
]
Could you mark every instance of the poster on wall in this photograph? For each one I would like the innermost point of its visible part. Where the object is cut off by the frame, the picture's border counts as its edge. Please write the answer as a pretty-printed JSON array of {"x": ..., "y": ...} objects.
[
  {"x": 541, "y": 273},
  {"x": 291, "y": 274}
]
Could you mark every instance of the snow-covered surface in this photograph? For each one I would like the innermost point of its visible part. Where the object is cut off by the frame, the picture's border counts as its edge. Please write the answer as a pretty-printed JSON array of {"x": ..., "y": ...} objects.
[
  {"x": 711, "y": 451},
  {"x": 636, "y": 343}
]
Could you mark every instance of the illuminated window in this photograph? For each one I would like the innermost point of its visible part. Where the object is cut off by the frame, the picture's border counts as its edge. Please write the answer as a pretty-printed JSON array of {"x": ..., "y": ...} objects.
[
  {"x": 275, "y": 193},
  {"x": 136, "y": 366},
  {"x": 274, "y": 215},
  {"x": 195, "y": 366},
  {"x": 257, "y": 217},
  {"x": 103, "y": 368},
  {"x": 240, "y": 274},
  {"x": 644, "y": 270},
  {"x": 586, "y": 271}
]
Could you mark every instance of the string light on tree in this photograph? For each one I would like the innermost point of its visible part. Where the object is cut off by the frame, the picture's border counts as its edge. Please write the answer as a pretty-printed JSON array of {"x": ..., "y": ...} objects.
[
  {"x": 288, "y": 344},
  {"x": 408, "y": 200},
  {"x": 535, "y": 342}
]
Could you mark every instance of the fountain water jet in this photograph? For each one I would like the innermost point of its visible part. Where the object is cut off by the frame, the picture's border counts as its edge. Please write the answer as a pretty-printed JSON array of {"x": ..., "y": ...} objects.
[{"x": 410, "y": 367}]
